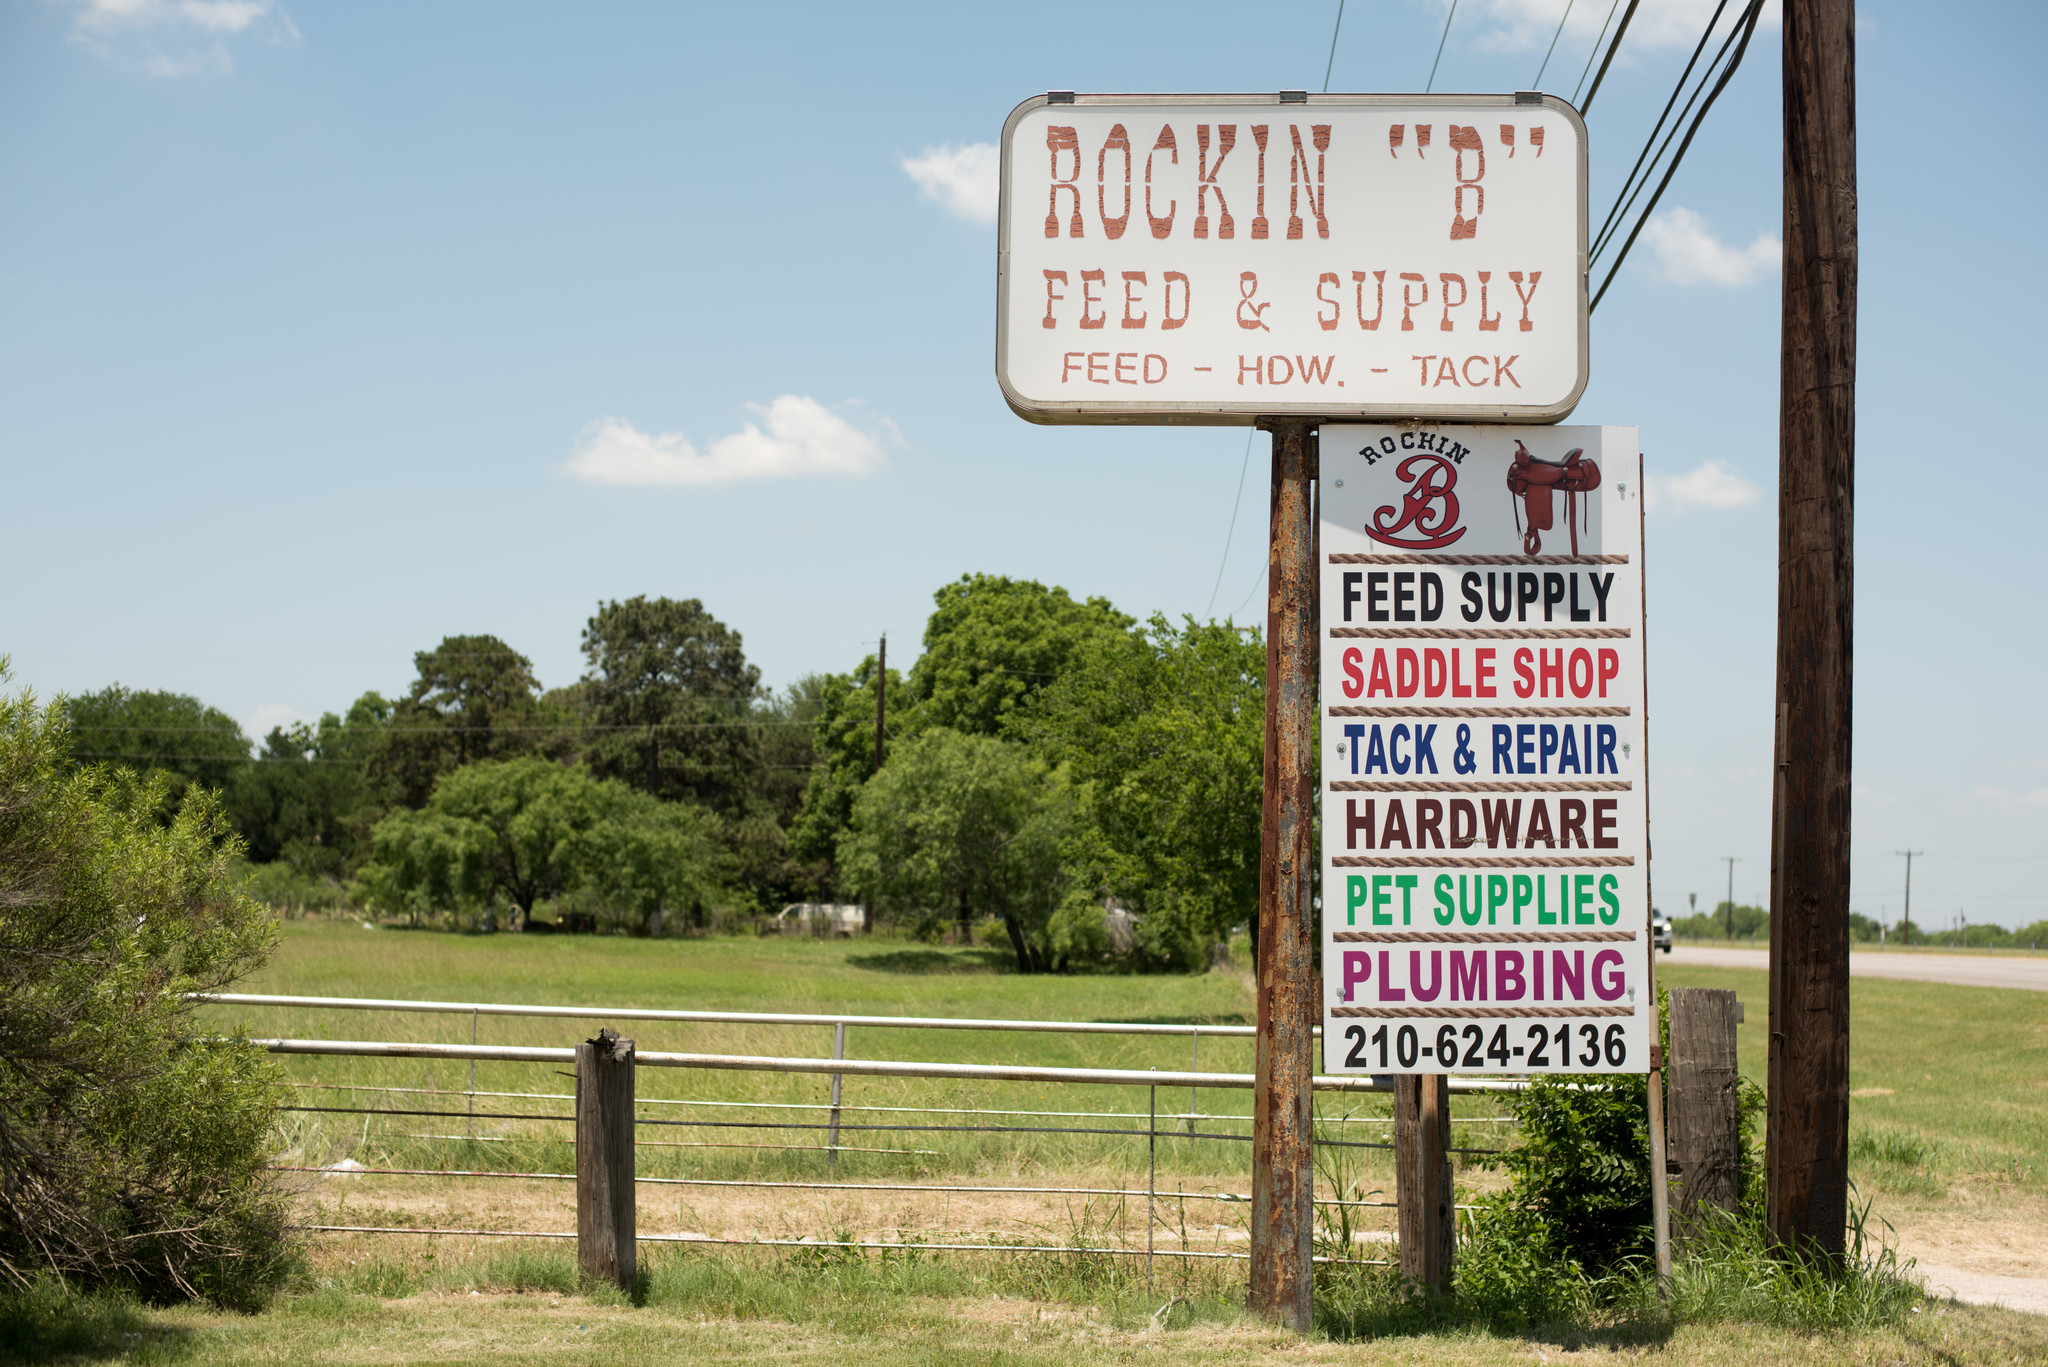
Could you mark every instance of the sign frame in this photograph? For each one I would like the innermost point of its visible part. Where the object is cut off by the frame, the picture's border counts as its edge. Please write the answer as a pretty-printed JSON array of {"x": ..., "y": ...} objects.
[
  {"x": 1254, "y": 409},
  {"x": 1372, "y": 582}
]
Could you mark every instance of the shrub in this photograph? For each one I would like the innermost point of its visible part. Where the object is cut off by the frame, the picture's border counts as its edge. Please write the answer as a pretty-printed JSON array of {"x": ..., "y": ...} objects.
[{"x": 132, "y": 1145}]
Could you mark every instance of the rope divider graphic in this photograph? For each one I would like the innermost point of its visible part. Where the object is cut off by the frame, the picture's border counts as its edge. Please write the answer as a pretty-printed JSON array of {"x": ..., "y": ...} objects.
[
  {"x": 1367, "y": 558},
  {"x": 1478, "y": 1012},
  {"x": 1539, "y": 861},
  {"x": 1480, "y": 633},
  {"x": 1367, "y": 785},
  {"x": 1358, "y": 710},
  {"x": 1478, "y": 937}
]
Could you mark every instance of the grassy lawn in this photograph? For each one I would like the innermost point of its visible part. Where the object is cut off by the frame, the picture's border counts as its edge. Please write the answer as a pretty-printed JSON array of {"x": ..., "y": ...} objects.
[
  {"x": 520, "y": 1308},
  {"x": 1951, "y": 1108}
]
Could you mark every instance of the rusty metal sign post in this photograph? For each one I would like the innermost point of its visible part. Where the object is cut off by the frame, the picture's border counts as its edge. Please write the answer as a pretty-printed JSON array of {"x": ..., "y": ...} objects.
[{"x": 1287, "y": 260}]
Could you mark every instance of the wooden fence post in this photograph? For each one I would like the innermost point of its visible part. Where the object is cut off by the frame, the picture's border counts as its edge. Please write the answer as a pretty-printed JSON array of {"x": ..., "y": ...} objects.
[
  {"x": 604, "y": 1159},
  {"x": 1705, "y": 1103},
  {"x": 1426, "y": 1218}
]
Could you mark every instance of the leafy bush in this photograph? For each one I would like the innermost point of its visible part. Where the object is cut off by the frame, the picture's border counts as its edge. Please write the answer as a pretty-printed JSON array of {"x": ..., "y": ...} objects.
[
  {"x": 1513, "y": 1270},
  {"x": 132, "y": 1145},
  {"x": 1582, "y": 1166}
]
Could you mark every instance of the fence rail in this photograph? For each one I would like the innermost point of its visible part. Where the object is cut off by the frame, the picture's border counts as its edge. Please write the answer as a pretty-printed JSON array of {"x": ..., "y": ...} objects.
[
  {"x": 731, "y": 1017},
  {"x": 835, "y": 1118},
  {"x": 762, "y": 1063}
]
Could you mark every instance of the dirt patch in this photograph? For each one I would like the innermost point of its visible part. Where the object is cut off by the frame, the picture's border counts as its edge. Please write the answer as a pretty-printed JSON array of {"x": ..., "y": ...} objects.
[
  {"x": 1977, "y": 1228},
  {"x": 1095, "y": 1215}
]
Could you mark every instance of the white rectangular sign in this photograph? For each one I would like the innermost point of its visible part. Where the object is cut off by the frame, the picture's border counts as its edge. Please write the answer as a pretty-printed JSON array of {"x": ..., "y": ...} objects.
[
  {"x": 1485, "y": 835},
  {"x": 1216, "y": 258}
]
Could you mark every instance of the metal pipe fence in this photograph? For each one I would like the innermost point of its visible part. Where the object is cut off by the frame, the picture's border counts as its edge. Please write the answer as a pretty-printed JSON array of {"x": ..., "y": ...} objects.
[{"x": 837, "y": 1117}]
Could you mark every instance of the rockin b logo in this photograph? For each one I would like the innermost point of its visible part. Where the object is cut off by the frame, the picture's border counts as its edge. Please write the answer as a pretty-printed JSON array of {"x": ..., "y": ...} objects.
[{"x": 1428, "y": 513}]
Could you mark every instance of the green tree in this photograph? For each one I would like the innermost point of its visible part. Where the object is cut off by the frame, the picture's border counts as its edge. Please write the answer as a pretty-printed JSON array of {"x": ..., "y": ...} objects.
[
  {"x": 761, "y": 839},
  {"x": 1165, "y": 727},
  {"x": 475, "y": 698},
  {"x": 133, "y": 1139},
  {"x": 843, "y": 759},
  {"x": 993, "y": 642},
  {"x": 151, "y": 731},
  {"x": 307, "y": 798},
  {"x": 966, "y": 826},
  {"x": 670, "y": 697},
  {"x": 530, "y": 830}
]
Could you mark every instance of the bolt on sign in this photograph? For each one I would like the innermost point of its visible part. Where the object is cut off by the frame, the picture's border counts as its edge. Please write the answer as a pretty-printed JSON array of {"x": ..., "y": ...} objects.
[
  {"x": 1485, "y": 835},
  {"x": 1220, "y": 258}
]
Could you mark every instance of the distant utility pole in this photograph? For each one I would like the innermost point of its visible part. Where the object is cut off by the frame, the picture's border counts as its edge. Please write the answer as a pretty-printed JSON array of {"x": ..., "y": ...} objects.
[
  {"x": 881, "y": 697},
  {"x": 1807, "y": 1133},
  {"x": 1732, "y": 860},
  {"x": 1908, "y": 916},
  {"x": 867, "y": 911}
]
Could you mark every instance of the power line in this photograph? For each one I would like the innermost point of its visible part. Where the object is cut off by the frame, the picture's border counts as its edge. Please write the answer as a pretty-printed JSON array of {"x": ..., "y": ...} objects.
[
  {"x": 1597, "y": 40},
  {"x": 1607, "y": 224},
  {"x": 1748, "y": 28},
  {"x": 1252, "y": 590},
  {"x": 1612, "y": 48},
  {"x": 1621, "y": 208},
  {"x": 1327, "y": 66},
  {"x": 1440, "y": 47},
  {"x": 1234, "y": 505},
  {"x": 1537, "y": 84}
]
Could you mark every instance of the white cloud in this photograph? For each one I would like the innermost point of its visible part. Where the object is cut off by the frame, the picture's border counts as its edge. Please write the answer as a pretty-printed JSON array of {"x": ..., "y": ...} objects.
[
  {"x": 2006, "y": 797},
  {"x": 132, "y": 28},
  {"x": 259, "y": 723},
  {"x": 1688, "y": 253},
  {"x": 1659, "y": 25},
  {"x": 803, "y": 437},
  {"x": 1715, "y": 486},
  {"x": 212, "y": 16},
  {"x": 962, "y": 179},
  {"x": 215, "y": 59}
]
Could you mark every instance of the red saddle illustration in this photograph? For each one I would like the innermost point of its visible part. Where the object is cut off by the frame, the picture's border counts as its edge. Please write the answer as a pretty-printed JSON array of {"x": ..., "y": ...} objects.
[{"x": 1532, "y": 482}]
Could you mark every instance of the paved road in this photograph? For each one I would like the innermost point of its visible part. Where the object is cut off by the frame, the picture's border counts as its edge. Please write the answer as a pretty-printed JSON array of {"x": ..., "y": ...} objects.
[
  {"x": 1985, "y": 1288},
  {"x": 1964, "y": 970}
]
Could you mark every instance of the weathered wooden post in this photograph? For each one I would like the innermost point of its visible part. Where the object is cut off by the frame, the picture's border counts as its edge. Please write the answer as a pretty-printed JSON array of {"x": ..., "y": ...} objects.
[
  {"x": 1283, "y": 1170},
  {"x": 604, "y": 1159},
  {"x": 1426, "y": 1220},
  {"x": 1705, "y": 1121}
]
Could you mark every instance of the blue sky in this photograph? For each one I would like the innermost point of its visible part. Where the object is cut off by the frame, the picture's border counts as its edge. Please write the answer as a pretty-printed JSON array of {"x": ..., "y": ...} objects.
[{"x": 327, "y": 330}]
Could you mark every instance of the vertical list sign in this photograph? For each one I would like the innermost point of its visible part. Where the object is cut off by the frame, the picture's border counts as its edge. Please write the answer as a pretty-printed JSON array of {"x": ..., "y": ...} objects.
[{"x": 1485, "y": 833}]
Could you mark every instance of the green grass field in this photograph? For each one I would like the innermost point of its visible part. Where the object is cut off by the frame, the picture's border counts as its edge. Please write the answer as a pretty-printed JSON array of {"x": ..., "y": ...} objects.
[
  {"x": 1952, "y": 1099},
  {"x": 1950, "y": 1083}
]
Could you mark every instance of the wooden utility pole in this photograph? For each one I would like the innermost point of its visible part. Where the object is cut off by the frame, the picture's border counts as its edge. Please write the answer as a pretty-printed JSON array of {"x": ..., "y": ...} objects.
[
  {"x": 1731, "y": 860},
  {"x": 1283, "y": 1174},
  {"x": 1808, "y": 1132},
  {"x": 605, "y": 1232}
]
